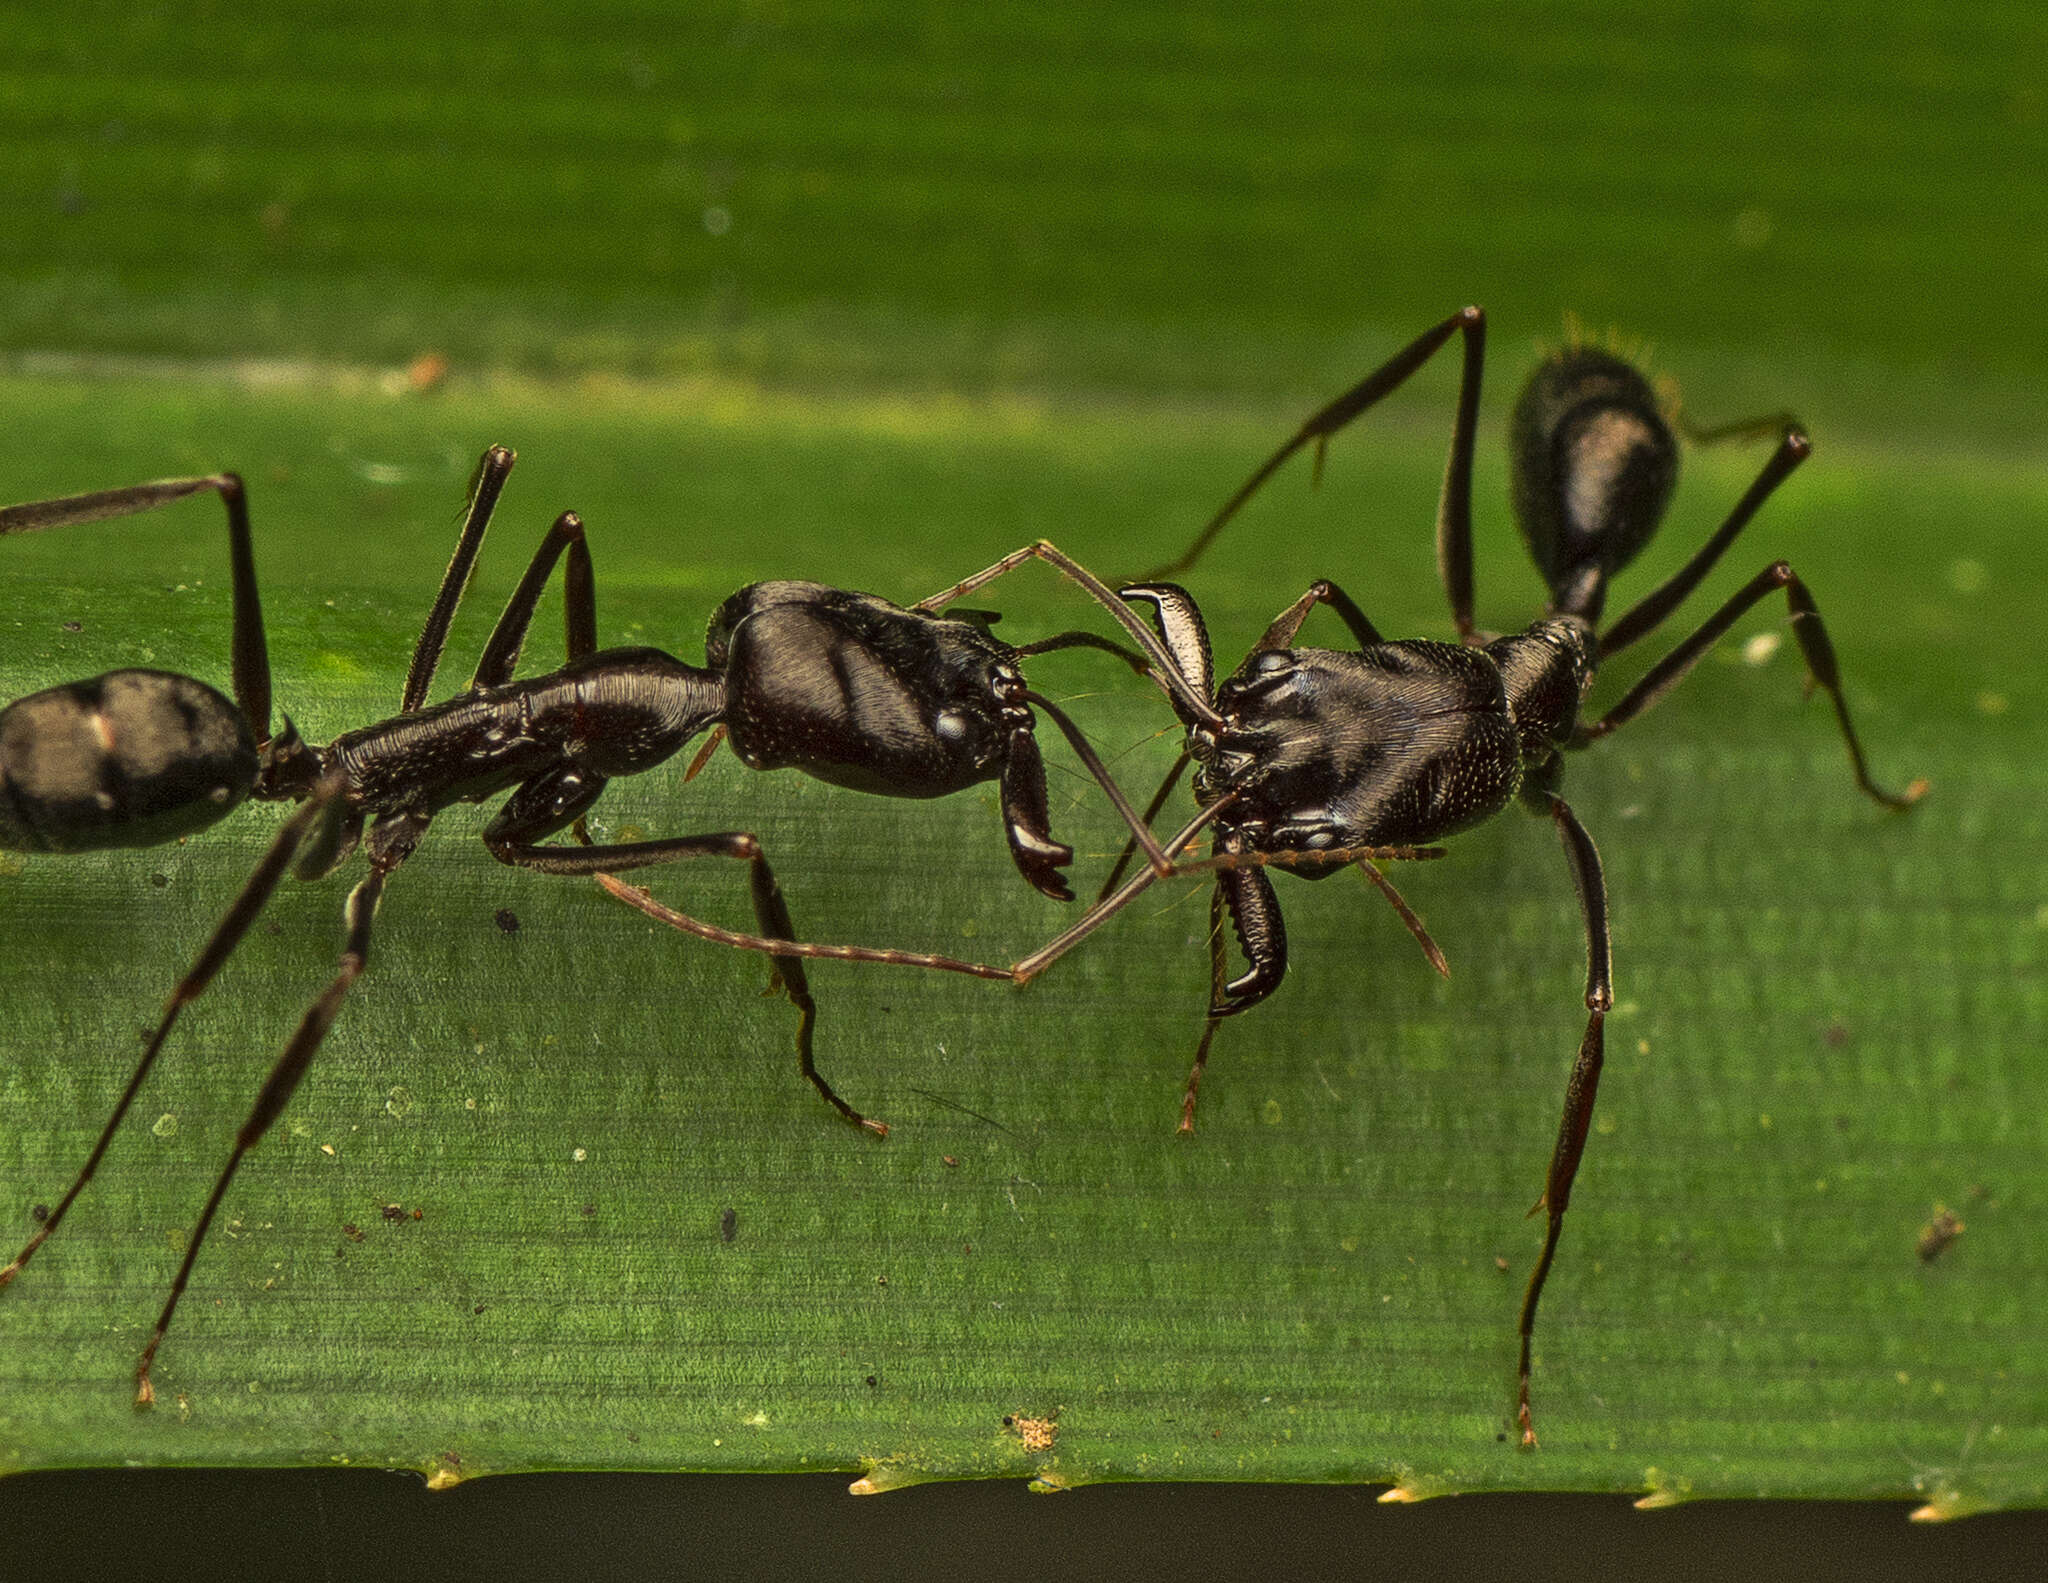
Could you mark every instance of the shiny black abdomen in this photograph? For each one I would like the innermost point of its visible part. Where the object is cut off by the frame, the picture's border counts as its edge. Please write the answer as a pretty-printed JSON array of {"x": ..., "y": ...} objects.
[
  {"x": 1594, "y": 467},
  {"x": 131, "y": 758}
]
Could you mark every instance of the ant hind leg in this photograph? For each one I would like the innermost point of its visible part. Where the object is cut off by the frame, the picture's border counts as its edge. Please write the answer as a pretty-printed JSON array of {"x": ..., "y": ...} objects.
[
  {"x": 250, "y": 652},
  {"x": 391, "y": 842},
  {"x": 324, "y": 810},
  {"x": 1814, "y": 645}
]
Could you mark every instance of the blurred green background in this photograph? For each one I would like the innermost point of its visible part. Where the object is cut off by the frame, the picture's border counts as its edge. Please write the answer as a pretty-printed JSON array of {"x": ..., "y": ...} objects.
[{"x": 872, "y": 295}]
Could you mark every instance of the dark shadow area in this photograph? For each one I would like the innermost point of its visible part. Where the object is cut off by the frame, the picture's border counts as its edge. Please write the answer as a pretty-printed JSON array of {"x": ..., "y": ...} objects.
[{"x": 343, "y": 1523}]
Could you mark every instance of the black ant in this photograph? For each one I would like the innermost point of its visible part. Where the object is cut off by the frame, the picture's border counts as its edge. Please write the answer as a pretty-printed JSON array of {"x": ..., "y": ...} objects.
[
  {"x": 1308, "y": 752},
  {"x": 844, "y": 686}
]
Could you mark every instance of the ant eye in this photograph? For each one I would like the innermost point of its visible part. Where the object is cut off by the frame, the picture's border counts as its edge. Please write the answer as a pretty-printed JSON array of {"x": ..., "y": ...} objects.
[
  {"x": 1271, "y": 662},
  {"x": 949, "y": 724}
]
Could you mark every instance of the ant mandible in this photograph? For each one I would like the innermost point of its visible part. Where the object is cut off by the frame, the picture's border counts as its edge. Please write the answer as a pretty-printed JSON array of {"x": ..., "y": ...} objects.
[
  {"x": 1319, "y": 750},
  {"x": 844, "y": 686}
]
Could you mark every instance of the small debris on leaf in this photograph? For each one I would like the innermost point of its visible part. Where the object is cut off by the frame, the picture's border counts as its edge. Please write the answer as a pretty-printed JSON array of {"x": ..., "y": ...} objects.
[{"x": 1938, "y": 1233}]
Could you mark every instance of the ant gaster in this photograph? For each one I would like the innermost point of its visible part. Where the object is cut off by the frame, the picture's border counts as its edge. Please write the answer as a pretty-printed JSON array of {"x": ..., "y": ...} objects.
[
  {"x": 845, "y": 686},
  {"x": 1319, "y": 750}
]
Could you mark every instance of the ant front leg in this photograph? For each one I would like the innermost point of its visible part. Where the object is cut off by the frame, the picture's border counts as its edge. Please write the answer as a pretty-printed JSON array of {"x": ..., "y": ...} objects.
[
  {"x": 1246, "y": 896},
  {"x": 554, "y": 801},
  {"x": 777, "y": 941},
  {"x": 1819, "y": 653},
  {"x": 1582, "y": 1087},
  {"x": 1219, "y": 973},
  {"x": 1188, "y": 699},
  {"x": 1280, "y": 635},
  {"x": 251, "y": 654}
]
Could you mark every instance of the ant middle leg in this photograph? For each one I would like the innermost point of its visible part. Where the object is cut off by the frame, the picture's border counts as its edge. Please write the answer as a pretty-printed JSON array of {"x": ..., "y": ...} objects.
[
  {"x": 777, "y": 937},
  {"x": 579, "y": 607},
  {"x": 1814, "y": 645},
  {"x": 1649, "y": 612},
  {"x": 1245, "y": 896},
  {"x": 1581, "y": 1088},
  {"x": 1280, "y": 635}
]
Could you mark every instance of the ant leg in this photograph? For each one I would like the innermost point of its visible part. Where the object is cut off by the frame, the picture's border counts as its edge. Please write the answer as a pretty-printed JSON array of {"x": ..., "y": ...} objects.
[
  {"x": 1580, "y": 1089},
  {"x": 227, "y": 934},
  {"x": 251, "y": 654},
  {"x": 771, "y": 914},
  {"x": 778, "y": 932},
  {"x": 1030, "y": 967},
  {"x": 1819, "y": 653},
  {"x": 1366, "y": 859},
  {"x": 1648, "y": 613},
  {"x": 579, "y": 609},
  {"x": 1280, "y": 635},
  {"x": 1021, "y": 971},
  {"x": 484, "y": 487},
  {"x": 1086, "y": 640},
  {"x": 1741, "y": 429},
  {"x": 1454, "y": 508},
  {"x": 1188, "y": 701},
  {"x": 544, "y": 806},
  {"x": 1219, "y": 971},
  {"x": 1023, "y": 743},
  {"x": 1247, "y": 896},
  {"x": 391, "y": 842},
  {"x": 1379, "y": 882},
  {"x": 1152, "y": 808}
]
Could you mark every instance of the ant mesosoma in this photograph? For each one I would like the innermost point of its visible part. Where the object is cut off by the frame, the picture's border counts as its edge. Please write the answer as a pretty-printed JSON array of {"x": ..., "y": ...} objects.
[
  {"x": 1307, "y": 752},
  {"x": 845, "y": 686}
]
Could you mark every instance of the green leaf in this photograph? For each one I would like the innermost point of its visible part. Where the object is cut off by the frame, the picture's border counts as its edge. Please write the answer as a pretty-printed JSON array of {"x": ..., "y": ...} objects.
[
  {"x": 1829, "y": 1018},
  {"x": 872, "y": 297}
]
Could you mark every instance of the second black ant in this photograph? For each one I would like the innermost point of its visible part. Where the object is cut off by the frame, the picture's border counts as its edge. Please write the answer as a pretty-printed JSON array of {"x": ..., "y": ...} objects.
[{"x": 1304, "y": 753}]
